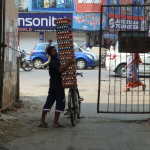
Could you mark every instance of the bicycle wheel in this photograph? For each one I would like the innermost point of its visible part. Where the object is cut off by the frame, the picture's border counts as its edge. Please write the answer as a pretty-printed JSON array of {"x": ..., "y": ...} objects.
[{"x": 71, "y": 106}]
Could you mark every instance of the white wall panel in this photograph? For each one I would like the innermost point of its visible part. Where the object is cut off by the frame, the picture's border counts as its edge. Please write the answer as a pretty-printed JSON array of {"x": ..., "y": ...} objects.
[
  {"x": 28, "y": 40},
  {"x": 50, "y": 35},
  {"x": 80, "y": 39}
]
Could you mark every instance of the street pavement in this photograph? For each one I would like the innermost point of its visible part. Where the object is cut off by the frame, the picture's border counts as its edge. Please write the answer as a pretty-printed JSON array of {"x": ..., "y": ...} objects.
[{"x": 94, "y": 131}]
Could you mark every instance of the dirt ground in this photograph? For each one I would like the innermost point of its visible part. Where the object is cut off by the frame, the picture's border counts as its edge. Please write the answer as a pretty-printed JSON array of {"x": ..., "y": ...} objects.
[{"x": 20, "y": 120}]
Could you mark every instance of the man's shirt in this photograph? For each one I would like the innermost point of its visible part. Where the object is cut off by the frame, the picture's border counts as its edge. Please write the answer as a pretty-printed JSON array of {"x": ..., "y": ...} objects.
[{"x": 55, "y": 75}]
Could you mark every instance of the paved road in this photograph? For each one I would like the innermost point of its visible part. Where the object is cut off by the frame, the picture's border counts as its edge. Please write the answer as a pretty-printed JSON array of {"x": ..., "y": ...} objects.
[{"x": 35, "y": 84}]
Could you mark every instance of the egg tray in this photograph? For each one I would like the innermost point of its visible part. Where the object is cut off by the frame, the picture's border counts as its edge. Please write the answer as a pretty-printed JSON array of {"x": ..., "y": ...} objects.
[{"x": 66, "y": 51}]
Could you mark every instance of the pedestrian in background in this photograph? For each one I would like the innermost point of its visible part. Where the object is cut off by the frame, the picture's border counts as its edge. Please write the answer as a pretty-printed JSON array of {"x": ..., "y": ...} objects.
[
  {"x": 110, "y": 44},
  {"x": 132, "y": 79},
  {"x": 111, "y": 49}
]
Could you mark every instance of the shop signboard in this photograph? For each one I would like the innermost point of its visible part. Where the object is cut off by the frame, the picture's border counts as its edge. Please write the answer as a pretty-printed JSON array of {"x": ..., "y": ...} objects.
[
  {"x": 129, "y": 11},
  {"x": 126, "y": 24},
  {"x": 39, "y": 22},
  {"x": 88, "y": 21},
  {"x": 90, "y": 6},
  {"x": 107, "y": 35},
  {"x": 51, "y": 6}
]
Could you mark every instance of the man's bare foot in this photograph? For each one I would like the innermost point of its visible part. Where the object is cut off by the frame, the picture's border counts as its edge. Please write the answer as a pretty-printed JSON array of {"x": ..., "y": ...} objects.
[
  {"x": 43, "y": 123},
  {"x": 143, "y": 87}
]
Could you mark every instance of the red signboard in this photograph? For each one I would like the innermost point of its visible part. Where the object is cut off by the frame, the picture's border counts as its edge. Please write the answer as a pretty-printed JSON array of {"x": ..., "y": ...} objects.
[{"x": 89, "y": 5}]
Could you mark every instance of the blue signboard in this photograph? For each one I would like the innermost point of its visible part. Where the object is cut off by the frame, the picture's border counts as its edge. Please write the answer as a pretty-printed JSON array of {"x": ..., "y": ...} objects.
[
  {"x": 127, "y": 10},
  {"x": 51, "y": 6},
  {"x": 88, "y": 21},
  {"x": 39, "y": 22},
  {"x": 110, "y": 35}
]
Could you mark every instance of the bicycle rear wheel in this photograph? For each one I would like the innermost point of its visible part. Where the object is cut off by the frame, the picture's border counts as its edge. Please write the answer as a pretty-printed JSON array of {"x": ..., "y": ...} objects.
[{"x": 71, "y": 106}]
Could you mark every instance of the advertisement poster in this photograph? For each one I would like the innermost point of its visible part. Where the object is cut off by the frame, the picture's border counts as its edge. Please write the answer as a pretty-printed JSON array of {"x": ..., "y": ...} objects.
[
  {"x": 126, "y": 10},
  {"x": 23, "y": 5},
  {"x": 39, "y": 22},
  {"x": 88, "y": 21},
  {"x": 113, "y": 9},
  {"x": 51, "y": 6},
  {"x": 89, "y": 5},
  {"x": 135, "y": 10},
  {"x": 131, "y": 11},
  {"x": 41, "y": 37}
]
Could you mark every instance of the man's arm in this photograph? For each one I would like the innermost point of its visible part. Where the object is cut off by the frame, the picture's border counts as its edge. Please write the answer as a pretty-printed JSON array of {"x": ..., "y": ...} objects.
[{"x": 63, "y": 68}]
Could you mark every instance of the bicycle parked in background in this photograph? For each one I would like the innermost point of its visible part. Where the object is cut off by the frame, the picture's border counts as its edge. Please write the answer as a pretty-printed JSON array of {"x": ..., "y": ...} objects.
[{"x": 74, "y": 103}]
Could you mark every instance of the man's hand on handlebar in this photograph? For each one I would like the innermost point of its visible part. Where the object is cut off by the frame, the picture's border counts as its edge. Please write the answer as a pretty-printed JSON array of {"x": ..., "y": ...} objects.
[{"x": 80, "y": 73}]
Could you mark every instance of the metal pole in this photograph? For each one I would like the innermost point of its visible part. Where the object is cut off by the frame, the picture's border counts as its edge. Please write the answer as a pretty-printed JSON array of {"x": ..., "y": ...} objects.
[
  {"x": 99, "y": 76},
  {"x": 1, "y": 88}
]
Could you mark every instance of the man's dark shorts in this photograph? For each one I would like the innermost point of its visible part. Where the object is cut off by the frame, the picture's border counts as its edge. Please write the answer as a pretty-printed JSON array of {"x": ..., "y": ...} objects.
[{"x": 58, "y": 94}]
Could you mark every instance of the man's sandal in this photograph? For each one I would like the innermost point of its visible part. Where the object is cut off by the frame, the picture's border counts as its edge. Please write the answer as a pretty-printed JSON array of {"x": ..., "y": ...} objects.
[
  {"x": 43, "y": 125},
  {"x": 58, "y": 126}
]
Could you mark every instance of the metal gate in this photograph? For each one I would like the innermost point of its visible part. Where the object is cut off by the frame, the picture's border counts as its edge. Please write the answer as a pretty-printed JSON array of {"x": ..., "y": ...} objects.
[
  {"x": 2, "y": 45},
  {"x": 128, "y": 27}
]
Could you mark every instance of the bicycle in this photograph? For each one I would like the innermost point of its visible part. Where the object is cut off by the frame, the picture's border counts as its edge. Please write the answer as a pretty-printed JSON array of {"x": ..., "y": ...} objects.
[{"x": 74, "y": 103}]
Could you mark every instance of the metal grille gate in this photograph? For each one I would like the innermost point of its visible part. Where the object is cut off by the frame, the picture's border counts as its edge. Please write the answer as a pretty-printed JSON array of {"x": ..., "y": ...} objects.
[{"x": 132, "y": 20}]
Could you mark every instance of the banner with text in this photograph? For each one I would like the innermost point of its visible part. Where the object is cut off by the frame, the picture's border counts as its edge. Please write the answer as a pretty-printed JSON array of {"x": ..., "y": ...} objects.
[
  {"x": 126, "y": 24},
  {"x": 88, "y": 21},
  {"x": 89, "y": 5},
  {"x": 39, "y": 22}
]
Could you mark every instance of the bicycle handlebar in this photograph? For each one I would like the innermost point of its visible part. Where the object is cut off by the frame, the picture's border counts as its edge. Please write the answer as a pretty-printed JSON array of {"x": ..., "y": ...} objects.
[{"x": 80, "y": 73}]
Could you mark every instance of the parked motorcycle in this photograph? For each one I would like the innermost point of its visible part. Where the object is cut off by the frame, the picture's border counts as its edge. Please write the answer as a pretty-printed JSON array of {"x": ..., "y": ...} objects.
[{"x": 26, "y": 65}]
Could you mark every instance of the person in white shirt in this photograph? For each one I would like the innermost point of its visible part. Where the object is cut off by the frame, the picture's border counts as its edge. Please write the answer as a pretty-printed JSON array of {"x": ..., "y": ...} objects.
[{"x": 111, "y": 49}]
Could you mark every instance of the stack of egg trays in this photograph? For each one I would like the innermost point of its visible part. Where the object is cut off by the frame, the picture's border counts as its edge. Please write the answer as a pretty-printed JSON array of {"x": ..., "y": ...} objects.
[{"x": 66, "y": 51}]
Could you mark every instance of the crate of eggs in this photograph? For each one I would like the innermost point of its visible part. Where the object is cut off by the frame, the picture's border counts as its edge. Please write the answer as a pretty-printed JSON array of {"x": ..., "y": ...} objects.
[{"x": 66, "y": 51}]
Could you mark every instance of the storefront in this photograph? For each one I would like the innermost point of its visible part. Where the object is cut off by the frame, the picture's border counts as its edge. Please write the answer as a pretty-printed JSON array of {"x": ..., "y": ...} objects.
[{"x": 40, "y": 27}]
